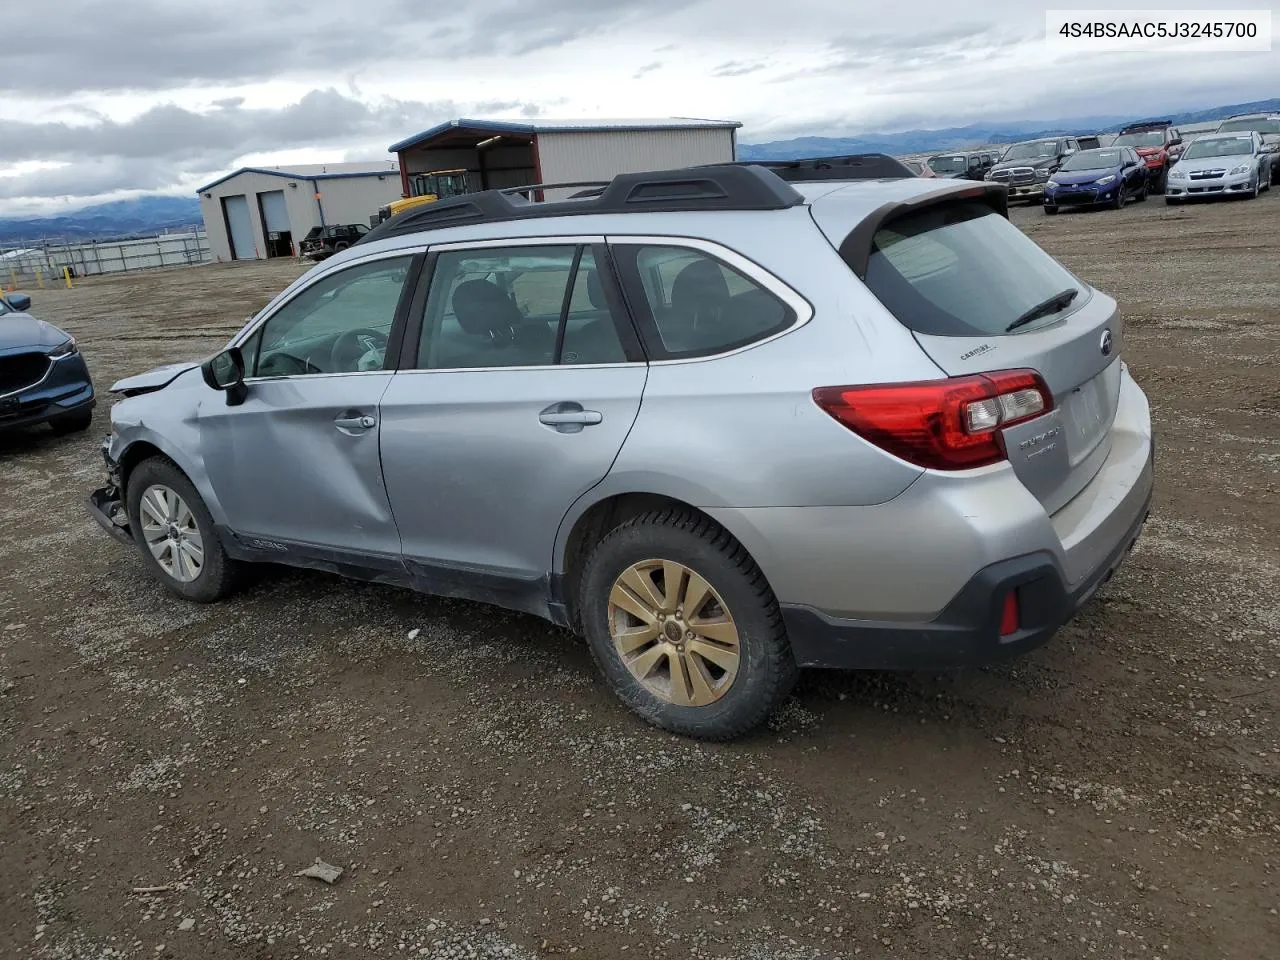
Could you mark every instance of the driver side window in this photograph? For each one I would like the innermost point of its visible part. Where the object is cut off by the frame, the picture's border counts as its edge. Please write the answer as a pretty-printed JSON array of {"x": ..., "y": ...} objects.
[{"x": 339, "y": 324}]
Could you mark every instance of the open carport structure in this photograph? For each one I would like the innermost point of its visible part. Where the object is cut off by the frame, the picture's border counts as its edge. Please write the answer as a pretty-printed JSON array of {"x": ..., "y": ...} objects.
[{"x": 509, "y": 153}]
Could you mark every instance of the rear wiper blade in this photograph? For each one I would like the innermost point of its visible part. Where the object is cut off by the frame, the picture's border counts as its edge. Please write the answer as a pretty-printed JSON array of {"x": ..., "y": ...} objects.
[{"x": 1055, "y": 304}]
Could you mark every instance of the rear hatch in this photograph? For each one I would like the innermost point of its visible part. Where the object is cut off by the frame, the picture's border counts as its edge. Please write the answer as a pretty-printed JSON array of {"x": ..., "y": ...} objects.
[{"x": 979, "y": 296}]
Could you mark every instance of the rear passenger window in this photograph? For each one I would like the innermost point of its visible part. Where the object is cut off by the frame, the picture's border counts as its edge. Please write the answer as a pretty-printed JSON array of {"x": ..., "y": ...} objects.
[
  {"x": 693, "y": 304},
  {"x": 517, "y": 307}
]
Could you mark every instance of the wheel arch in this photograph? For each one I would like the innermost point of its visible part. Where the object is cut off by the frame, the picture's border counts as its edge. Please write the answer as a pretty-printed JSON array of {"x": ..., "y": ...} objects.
[
  {"x": 588, "y": 523},
  {"x": 148, "y": 445}
]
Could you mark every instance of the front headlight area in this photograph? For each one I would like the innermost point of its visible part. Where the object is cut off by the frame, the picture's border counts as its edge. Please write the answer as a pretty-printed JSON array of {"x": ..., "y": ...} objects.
[{"x": 67, "y": 348}]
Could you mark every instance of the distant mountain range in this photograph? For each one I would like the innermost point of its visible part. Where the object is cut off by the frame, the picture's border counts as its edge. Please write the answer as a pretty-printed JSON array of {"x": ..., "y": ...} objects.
[
  {"x": 955, "y": 138},
  {"x": 143, "y": 216},
  {"x": 153, "y": 213}
]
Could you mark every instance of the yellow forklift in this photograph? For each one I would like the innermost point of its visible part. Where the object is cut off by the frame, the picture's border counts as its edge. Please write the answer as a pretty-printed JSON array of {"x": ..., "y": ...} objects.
[{"x": 427, "y": 188}]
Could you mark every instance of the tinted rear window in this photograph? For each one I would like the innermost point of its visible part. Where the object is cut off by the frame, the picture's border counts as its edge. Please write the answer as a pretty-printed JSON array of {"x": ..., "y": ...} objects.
[{"x": 962, "y": 270}]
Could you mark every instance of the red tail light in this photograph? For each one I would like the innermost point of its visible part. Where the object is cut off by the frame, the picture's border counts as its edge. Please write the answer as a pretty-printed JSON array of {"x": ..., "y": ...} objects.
[
  {"x": 1009, "y": 618},
  {"x": 951, "y": 424}
]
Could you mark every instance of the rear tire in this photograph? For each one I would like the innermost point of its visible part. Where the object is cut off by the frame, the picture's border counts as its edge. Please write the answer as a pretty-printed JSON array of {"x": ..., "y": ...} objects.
[
  {"x": 72, "y": 423},
  {"x": 1145, "y": 191},
  {"x": 713, "y": 672},
  {"x": 190, "y": 560}
]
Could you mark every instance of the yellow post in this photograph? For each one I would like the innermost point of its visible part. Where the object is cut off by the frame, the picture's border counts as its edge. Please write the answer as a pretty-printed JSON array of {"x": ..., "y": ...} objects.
[
  {"x": 13, "y": 279},
  {"x": 40, "y": 277},
  {"x": 66, "y": 273}
]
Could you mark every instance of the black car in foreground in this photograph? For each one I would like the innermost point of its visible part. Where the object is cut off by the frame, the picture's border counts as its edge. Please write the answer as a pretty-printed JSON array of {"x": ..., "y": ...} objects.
[
  {"x": 324, "y": 242},
  {"x": 43, "y": 377}
]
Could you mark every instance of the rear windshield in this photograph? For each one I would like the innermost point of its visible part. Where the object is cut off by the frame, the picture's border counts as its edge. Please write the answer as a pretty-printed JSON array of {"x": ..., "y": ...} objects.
[
  {"x": 312, "y": 233},
  {"x": 1093, "y": 160},
  {"x": 962, "y": 270},
  {"x": 1261, "y": 124},
  {"x": 1219, "y": 147},
  {"x": 948, "y": 164},
  {"x": 1147, "y": 138}
]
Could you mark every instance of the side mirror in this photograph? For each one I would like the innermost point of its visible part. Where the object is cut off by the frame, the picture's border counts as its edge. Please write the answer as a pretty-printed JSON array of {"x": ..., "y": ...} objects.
[
  {"x": 19, "y": 301},
  {"x": 225, "y": 371}
]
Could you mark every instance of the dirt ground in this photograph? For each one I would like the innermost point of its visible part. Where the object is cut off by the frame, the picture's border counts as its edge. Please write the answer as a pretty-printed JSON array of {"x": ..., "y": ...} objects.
[{"x": 1114, "y": 794}]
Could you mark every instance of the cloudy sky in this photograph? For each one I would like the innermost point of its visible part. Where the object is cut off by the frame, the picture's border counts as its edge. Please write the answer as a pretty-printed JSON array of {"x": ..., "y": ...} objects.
[{"x": 104, "y": 99}]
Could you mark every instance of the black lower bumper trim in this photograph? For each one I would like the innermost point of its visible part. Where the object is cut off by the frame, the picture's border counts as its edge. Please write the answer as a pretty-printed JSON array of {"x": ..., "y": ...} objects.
[
  {"x": 967, "y": 632},
  {"x": 103, "y": 503}
]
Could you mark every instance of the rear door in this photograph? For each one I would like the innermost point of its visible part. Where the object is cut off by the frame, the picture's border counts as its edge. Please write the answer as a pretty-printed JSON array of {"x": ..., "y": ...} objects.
[
  {"x": 967, "y": 283},
  {"x": 520, "y": 380}
]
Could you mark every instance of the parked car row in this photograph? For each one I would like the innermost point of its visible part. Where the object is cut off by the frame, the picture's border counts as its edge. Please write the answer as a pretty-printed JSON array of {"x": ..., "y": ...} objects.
[{"x": 1241, "y": 157}]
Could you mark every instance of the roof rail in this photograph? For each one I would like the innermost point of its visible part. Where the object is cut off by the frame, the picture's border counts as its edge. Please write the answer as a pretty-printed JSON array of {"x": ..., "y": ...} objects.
[
  {"x": 852, "y": 166},
  {"x": 718, "y": 187}
]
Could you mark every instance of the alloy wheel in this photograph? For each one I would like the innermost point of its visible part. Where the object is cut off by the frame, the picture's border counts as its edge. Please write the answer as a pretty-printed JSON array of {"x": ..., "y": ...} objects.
[
  {"x": 172, "y": 535},
  {"x": 673, "y": 632}
]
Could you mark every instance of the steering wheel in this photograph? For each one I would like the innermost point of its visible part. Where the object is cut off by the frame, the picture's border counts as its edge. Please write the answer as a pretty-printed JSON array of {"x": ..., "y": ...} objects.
[
  {"x": 345, "y": 354},
  {"x": 280, "y": 364}
]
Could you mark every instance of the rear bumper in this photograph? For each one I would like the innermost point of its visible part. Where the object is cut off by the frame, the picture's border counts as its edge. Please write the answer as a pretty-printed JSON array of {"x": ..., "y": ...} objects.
[
  {"x": 967, "y": 632},
  {"x": 920, "y": 581}
]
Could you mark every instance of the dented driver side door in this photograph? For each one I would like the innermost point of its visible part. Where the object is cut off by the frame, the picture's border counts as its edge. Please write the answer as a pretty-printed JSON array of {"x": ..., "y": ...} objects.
[{"x": 296, "y": 466}]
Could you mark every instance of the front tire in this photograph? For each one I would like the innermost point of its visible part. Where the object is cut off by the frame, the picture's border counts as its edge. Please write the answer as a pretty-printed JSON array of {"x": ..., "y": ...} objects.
[
  {"x": 1118, "y": 202},
  {"x": 1051, "y": 211},
  {"x": 173, "y": 529},
  {"x": 684, "y": 626}
]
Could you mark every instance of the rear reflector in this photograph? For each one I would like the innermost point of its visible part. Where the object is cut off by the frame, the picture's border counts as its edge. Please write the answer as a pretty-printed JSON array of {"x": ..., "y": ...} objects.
[
  {"x": 948, "y": 424},
  {"x": 1009, "y": 618}
]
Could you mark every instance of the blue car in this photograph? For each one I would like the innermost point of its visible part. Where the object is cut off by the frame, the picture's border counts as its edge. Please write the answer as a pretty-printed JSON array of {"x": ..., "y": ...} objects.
[
  {"x": 43, "y": 377},
  {"x": 1109, "y": 177}
]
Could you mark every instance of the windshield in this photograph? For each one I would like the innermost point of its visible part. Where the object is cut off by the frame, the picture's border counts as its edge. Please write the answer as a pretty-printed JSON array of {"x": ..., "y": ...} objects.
[
  {"x": 1094, "y": 160},
  {"x": 1218, "y": 147},
  {"x": 1032, "y": 150},
  {"x": 962, "y": 270},
  {"x": 1149, "y": 138},
  {"x": 1261, "y": 124},
  {"x": 4, "y": 308},
  {"x": 945, "y": 165}
]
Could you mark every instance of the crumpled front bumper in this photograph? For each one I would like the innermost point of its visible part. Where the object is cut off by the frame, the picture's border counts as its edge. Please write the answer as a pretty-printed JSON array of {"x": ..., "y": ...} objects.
[{"x": 106, "y": 504}]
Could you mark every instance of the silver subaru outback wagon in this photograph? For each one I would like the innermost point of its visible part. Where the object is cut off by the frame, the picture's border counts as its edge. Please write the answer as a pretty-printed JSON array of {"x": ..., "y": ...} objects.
[{"x": 723, "y": 422}]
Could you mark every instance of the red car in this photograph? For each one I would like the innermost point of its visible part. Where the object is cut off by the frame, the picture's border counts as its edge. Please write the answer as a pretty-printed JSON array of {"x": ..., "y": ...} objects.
[{"x": 1157, "y": 143}]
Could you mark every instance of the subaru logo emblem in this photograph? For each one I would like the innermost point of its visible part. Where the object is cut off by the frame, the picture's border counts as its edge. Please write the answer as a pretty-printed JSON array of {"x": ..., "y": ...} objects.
[{"x": 1105, "y": 345}]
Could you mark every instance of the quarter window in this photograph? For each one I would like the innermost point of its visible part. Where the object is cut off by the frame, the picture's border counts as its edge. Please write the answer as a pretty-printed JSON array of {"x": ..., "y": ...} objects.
[
  {"x": 693, "y": 304},
  {"x": 339, "y": 324},
  {"x": 518, "y": 307}
]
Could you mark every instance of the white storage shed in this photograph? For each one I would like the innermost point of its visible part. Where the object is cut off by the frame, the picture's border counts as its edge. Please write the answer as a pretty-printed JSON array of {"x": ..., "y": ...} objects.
[{"x": 260, "y": 212}]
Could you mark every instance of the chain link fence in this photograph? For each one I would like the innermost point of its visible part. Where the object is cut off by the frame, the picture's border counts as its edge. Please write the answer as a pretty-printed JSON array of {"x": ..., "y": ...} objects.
[{"x": 53, "y": 262}]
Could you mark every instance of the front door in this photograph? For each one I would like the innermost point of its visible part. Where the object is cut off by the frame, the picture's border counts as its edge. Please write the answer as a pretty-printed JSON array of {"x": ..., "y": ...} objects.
[
  {"x": 296, "y": 467},
  {"x": 524, "y": 383}
]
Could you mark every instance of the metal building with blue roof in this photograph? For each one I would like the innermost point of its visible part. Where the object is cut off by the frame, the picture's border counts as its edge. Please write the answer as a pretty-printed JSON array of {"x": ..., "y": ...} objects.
[{"x": 513, "y": 153}]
